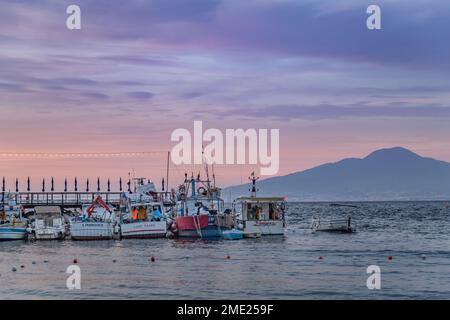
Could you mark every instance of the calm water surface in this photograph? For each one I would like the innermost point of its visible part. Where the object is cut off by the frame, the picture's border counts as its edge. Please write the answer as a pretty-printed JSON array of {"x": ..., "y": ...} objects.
[{"x": 416, "y": 235}]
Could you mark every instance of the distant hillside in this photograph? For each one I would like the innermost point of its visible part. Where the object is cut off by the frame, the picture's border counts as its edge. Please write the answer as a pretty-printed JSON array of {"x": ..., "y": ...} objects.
[{"x": 386, "y": 174}]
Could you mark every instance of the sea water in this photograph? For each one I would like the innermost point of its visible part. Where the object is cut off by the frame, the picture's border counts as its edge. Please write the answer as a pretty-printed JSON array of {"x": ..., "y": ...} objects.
[{"x": 409, "y": 241}]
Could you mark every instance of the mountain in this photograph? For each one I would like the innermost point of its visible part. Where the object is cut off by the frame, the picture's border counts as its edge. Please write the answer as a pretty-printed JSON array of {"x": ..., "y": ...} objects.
[{"x": 386, "y": 174}]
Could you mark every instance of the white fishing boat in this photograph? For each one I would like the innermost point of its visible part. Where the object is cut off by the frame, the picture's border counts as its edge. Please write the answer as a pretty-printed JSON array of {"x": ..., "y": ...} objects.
[
  {"x": 260, "y": 216},
  {"x": 142, "y": 212},
  {"x": 48, "y": 224},
  {"x": 145, "y": 220},
  {"x": 97, "y": 222}
]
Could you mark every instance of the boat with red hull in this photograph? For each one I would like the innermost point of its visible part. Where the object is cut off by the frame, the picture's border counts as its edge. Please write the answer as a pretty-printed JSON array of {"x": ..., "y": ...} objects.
[
  {"x": 200, "y": 215},
  {"x": 198, "y": 226}
]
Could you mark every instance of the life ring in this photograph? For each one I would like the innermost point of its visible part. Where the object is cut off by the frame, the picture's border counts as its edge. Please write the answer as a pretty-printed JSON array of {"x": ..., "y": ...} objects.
[{"x": 201, "y": 190}]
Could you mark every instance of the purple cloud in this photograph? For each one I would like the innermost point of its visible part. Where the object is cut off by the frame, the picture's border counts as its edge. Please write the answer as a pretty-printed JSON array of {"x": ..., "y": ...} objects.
[{"x": 141, "y": 95}]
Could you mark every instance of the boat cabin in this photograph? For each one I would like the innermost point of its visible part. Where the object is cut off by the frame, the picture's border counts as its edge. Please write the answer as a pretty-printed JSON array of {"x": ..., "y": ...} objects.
[
  {"x": 151, "y": 211},
  {"x": 48, "y": 216},
  {"x": 261, "y": 209}
]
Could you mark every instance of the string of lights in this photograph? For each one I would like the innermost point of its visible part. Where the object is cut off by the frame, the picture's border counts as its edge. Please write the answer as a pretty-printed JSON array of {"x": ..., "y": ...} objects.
[{"x": 77, "y": 155}]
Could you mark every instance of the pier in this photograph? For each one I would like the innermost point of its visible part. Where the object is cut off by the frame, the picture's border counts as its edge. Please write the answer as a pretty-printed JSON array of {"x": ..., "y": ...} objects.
[{"x": 63, "y": 199}]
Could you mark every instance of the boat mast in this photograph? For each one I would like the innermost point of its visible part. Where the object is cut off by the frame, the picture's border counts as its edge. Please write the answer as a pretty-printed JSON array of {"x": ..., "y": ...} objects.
[
  {"x": 167, "y": 173},
  {"x": 253, "y": 179}
]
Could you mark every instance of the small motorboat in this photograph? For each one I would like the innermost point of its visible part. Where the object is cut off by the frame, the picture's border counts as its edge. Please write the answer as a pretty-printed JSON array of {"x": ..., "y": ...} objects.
[
  {"x": 233, "y": 234},
  {"x": 48, "y": 224},
  {"x": 344, "y": 225}
]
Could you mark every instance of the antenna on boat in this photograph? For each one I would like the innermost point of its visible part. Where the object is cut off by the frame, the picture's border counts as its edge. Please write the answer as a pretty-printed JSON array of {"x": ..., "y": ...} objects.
[
  {"x": 167, "y": 173},
  {"x": 208, "y": 184},
  {"x": 253, "y": 179},
  {"x": 214, "y": 176}
]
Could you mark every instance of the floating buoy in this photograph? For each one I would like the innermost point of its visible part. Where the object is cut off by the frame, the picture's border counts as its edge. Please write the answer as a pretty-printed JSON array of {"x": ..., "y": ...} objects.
[
  {"x": 152, "y": 259},
  {"x": 13, "y": 269},
  {"x": 320, "y": 258},
  {"x": 75, "y": 261},
  {"x": 114, "y": 260},
  {"x": 390, "y": 258},
  {"x": 423, "y": 257},
  {"x": 34, "y": 262},
  {"x": 228, "y": 257},
  {"x": 22, "y": 267},
  {"x": 45, "y": 261}
]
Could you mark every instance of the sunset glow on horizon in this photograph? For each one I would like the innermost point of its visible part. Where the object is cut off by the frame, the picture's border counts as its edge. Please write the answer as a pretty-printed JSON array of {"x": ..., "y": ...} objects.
[{"x": 103, "y": 101}]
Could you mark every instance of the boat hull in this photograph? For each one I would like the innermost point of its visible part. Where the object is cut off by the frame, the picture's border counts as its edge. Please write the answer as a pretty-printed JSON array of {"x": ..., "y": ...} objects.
[
  {"x": 11, "y": 233},
  {"x": 49, "y": 233},
  {"x": 233, "y": 235},
  {"x": 264, "y": 228},
  {"x": 92, "y": 230},
  {"x": 143, "y": 230},
  {"x": 209, "y": 232},
  {"x": 199, "y": 226}
]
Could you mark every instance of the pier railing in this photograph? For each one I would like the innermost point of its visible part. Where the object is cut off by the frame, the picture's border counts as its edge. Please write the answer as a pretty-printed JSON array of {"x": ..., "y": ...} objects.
[{"x": 64, "y": 198}]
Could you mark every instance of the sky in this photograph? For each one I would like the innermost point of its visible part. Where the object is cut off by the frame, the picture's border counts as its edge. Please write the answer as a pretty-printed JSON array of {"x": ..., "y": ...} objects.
[{"x": 137, "y": 70}]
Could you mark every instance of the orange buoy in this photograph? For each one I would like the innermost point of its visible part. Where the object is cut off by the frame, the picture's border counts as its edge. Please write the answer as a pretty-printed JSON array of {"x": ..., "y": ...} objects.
[
  {"x": 75, "y": 261},
  {"x": 390, "y": 258},
  {"x": 228, "y": 257},
  {"x": 152, "y": 259},
  {"x": 320, "y": 258}
]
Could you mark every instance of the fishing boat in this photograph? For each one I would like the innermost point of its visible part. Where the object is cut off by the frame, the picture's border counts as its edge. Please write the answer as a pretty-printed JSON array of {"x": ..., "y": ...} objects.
[
  {"x": 97, "y": 222},
  {"x": 142, "y": 212},
  {"x": 48, "y": 224},
  {"x": 12, "y": 226},
  {"x": 260, "y": 216},
  {"x": 200, "y": 210}
]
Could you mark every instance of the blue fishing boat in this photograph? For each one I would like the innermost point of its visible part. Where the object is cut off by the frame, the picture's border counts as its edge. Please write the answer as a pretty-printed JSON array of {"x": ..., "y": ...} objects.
[
  {"x": 9, "y": 232},
  {"x": 200, "y": 210},
  {"x": 12, "y": 227}
]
